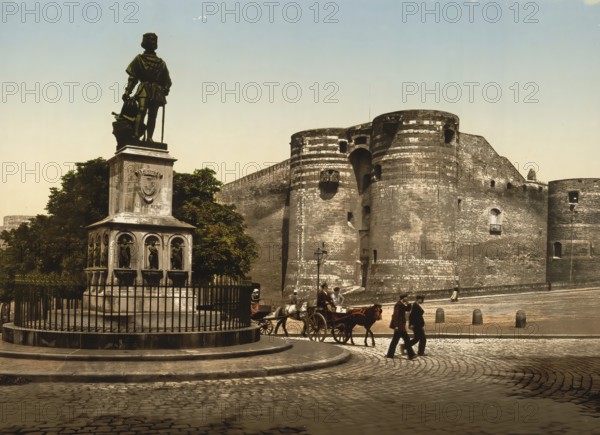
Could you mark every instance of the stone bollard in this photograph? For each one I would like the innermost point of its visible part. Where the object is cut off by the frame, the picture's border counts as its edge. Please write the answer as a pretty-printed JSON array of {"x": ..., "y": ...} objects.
[
  {"x": 521, "y": 321},
  {"x": 477, "y": 317},
  {"x": 439, "y": 316}
]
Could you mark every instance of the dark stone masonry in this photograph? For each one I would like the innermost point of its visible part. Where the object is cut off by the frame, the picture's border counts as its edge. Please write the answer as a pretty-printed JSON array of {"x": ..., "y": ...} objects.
[{"x": 408, "y": 202}]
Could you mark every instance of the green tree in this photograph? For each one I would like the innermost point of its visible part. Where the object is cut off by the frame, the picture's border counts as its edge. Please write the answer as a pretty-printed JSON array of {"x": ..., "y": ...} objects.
[
  {"x": 56, "y": 244},
  {"x": 221, "y": 246}
]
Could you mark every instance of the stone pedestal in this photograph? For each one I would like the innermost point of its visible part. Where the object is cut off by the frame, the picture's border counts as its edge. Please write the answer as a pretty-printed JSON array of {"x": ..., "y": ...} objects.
[{"x": 140, "y": 240}]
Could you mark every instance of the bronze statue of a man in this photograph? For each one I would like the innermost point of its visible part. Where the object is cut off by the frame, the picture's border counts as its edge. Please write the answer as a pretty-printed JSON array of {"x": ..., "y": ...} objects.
[
  {"x": 154, "y": 84},
  {"x": 152, "y": 256}
]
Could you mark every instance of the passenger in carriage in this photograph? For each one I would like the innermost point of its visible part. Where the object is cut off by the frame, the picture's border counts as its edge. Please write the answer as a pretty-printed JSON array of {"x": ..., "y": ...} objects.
[{"x": 338, "y": 297}]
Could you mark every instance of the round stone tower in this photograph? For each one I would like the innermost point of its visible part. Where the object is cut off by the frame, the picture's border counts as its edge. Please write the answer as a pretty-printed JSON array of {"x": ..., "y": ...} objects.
[
  {"x": 323, "y": 210},
  {"x": 573, "y": 230},
  {"x": 413, "y": 201}
]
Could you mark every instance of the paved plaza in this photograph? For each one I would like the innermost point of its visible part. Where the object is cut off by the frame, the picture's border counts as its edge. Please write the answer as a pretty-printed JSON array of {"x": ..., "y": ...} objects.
[
  {"x": 483, "y": 385},
  {"x": 556, "y": 312},
  {"x": 568, "y": 313}
]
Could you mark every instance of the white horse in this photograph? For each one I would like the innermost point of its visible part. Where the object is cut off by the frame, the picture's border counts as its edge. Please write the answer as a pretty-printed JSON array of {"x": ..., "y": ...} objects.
[{"x": 284, "y": 312}]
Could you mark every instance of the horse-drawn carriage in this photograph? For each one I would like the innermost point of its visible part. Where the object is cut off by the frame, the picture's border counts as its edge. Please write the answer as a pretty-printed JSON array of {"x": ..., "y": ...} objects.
[
  {"x": 270, "y": 317},
  {"x": 317, "y": 322},
  {"x": 340, "y": 322},
  {"x": 260, "y": 315}
]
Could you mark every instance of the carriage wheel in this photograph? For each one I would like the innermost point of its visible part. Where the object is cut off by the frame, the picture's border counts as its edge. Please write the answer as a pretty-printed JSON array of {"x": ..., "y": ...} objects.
[
  {"x": 265, "y": 327},
  {"x": 339, "y": 333},
  {"x": 316, "y": 327}
]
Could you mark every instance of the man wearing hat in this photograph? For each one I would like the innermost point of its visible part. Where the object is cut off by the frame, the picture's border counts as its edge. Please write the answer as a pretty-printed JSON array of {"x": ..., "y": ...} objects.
[
  {"x": 324, "y": 300},
  {"x": 398, "y": 324},
  {"x": 255, "y": 301},
  {"x": 417, "y": 324}
]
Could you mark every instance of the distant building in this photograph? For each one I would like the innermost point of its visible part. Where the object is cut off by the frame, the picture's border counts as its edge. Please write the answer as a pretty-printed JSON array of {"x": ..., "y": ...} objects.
[{"x": 11, "y": 223}]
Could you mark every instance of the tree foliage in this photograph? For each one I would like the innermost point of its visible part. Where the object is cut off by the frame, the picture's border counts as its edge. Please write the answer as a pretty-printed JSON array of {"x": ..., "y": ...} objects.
[
  {"x": 56, "y": 244},
  {"x": 221, "y": 246}
]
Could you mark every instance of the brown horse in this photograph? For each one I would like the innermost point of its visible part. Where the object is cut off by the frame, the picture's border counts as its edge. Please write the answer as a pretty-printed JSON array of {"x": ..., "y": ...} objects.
[{"x": 364, "y": 317}]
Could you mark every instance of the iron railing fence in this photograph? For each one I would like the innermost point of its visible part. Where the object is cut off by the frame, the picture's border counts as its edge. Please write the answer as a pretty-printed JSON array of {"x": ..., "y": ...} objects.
[{"x": 110, "y": 308}]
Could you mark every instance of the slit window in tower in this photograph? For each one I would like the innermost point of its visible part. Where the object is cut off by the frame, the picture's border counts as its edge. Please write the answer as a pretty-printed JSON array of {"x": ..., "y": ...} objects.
[
  {"x": 573, "y": 197},
  {"x": 377, "y": 172},
  {"x": 343, "y": 146},
  {"x": 509, "y": 186},
  {"x": 492, "y": 183},
  {"x": 390, "y": 128},
  {"x": 448, "y": 135},
  {"x": 459, "y": 204},
  {"x": 495, "y": 222},
  {"x": 557, "y": 250},
  {"x": 374, "y": 255},
  {"x": 350, "y": 216}
]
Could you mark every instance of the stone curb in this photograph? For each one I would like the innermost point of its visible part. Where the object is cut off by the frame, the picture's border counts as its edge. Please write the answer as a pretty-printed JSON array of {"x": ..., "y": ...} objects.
[
  {"x": 146, "y": 355},
  {"x": 79, "y": 371}
]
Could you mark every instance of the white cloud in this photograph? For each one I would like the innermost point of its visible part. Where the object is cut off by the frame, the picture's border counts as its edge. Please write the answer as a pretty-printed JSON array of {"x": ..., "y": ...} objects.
[{"x": 592, "y": 2}]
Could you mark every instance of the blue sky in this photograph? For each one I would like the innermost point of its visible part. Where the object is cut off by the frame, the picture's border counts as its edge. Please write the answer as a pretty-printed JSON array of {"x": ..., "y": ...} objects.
[{"x": 351, "y": 61}]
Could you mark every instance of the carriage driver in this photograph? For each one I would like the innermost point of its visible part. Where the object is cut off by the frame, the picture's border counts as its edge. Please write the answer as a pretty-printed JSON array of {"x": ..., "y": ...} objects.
[{"x": 324, "y": 300}]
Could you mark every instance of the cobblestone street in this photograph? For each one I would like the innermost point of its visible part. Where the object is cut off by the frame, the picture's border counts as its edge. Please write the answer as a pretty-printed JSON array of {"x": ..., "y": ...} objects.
[{"x": 460, "y": 386}]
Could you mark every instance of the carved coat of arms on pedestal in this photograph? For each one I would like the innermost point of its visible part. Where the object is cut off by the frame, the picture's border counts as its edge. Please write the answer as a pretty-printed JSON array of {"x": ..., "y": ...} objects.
[{"x": 148, "y": 183}]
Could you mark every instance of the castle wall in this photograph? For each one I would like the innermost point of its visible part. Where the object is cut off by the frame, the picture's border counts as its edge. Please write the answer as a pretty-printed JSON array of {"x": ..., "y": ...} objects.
[
  {"x": 323, "y": 203},
  {"x": 409, "y": 203},
  {"x": 413, "y": 200},
  {"x": 358, "y": 139},
  {"x": 504, "y": 250},
  {"x": 262, "y": 198},
  {"x": 576, "y": 229}
]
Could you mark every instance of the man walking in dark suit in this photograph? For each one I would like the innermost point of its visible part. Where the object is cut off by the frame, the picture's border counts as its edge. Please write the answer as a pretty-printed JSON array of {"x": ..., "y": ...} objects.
[
  {"x": 417, "y": 323},
  {"x": 398, "y": 324}
]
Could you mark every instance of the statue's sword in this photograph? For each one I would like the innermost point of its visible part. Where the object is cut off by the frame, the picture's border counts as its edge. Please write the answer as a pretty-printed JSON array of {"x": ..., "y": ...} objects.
[{"x": 162, "y": 130}]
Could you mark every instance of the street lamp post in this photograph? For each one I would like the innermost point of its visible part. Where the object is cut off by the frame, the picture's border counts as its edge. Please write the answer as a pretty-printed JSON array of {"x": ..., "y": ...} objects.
[
  {"x": 572, "y": 207},
  {"x": 319, "y": 256}
]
